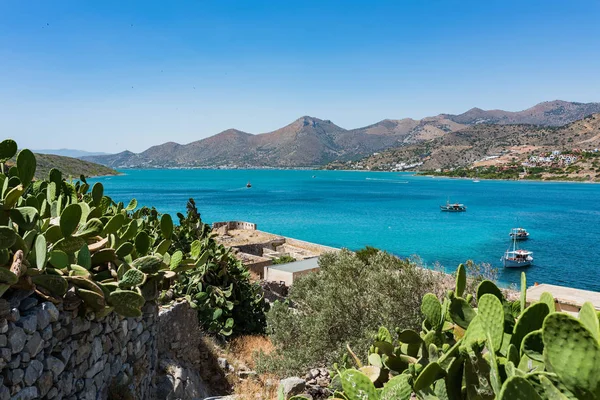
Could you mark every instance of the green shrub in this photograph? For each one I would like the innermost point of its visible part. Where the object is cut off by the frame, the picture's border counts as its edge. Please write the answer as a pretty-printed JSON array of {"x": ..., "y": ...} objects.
[
  {"x": 216, "y": 284},
  {"x": 501, "y": 349},
  {"x": 344, "y": 302}
]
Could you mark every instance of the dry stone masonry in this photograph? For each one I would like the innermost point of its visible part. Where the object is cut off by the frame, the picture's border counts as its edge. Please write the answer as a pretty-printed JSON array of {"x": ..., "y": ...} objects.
[{"x": 47, "y": 352}]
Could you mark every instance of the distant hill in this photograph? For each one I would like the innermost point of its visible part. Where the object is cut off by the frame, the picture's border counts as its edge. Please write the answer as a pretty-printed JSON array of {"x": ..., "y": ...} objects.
[
  {"x": 472, "y": 144},
  {"x": 69, "y": 152},
  {"x": 313, "y": 142},
  {"x": 548, "y": 113},
  {"x": 68, "y": 166}
]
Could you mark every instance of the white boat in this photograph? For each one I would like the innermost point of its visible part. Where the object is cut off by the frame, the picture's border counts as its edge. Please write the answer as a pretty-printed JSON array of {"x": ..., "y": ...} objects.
[
  {"x": 519, "y": 233},
  {"x": 516, "y": 258},
  {"x": 453, "y": 207}
]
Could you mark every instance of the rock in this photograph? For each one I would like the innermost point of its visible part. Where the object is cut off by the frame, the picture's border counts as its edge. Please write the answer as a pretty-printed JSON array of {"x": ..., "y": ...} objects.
[
  {"x": 33, "y": 372},
  {"x": 54, "y": 365},
  {"x": 322, "y": 381},
  {"x": 314, "y": 373},
  {"x": 223, "y": 363},
  {"x": 51, "y": 310},
  {"x": 25, "y": 357},
  {"x": 13, "y": 315},
  {"x": 43, "y": 318},
  {"x": 4, "y": 393},
  {"x": 83, "y": 352},
  {"x": 15, "y": 361},
  {"x": 246, "y": 374},
  {"x": 94, "y": 369},
  {"x": 28, "y": 393},
  {"x": 15, "y": 376},
  {"x": 52, "y": 393},
  {"x": 79, "y": 325},
  {"x": 47, "y": 333},
  {"x": 96, "y": 351},
  {"x": 28, "y": 303},
  {"x": 44, "y": 383},
  {"x": 28, "y": 323},
  {"x": 5, "y": 353},
  {"x": 292, "y": 386},
  {"x": 34, "y": 344},
  {"x": 17, "y": 339},
  {"x": 3, "y": 340},
  {"x": 3, "y": 326}
]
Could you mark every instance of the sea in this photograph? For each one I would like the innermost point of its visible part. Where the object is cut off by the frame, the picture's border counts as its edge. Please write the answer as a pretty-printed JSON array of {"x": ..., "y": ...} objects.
[{"x": 396, "y": 212}]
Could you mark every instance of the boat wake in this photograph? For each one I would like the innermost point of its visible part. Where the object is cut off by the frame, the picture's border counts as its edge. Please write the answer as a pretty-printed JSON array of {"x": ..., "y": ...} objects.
[{"x": 385, "y": 180}]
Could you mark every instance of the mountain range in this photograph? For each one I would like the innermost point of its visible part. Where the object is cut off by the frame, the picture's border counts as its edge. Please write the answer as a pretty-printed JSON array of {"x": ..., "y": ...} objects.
[
  {"x": 69, "y": 152},
  {"x": 475, "y": 143},
  {"x": 312, "y": 142}
]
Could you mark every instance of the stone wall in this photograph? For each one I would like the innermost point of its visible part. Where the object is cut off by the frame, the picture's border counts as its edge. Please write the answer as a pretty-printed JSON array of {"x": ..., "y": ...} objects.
[
  {"x": 47, "y": 352},
  {"x": 235, "y": 225}
]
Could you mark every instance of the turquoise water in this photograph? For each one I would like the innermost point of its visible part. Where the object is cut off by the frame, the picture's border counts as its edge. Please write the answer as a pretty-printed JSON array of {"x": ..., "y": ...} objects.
[{"x": 396, "y": 212}]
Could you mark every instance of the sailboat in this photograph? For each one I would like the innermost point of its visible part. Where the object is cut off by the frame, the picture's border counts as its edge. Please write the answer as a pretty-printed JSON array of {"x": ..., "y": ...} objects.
[
  {"x": 516, "y": 258},
  {"x": 476, "y": 180}
]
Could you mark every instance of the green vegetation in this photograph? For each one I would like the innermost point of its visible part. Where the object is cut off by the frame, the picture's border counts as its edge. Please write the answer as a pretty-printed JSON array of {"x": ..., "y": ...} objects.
[
  {"x": 284, "y": 260},
  {"x": 220, "y": 289},
  {"x": 70, "y": 167},
  {"x": 344, "y": 302},
  {"x": 77, "y": 246},
  {"x": 500, "y": 349},
  {"x": 510, "y": 172}
]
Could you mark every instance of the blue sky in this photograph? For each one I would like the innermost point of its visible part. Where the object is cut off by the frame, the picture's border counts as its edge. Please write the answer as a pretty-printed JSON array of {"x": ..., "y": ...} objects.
[{"x": 114, "y": 75}]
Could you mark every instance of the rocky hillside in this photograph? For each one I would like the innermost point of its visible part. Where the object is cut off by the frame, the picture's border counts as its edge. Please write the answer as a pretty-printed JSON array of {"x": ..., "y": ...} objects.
[
  {"x": 548, "y": 113},
  {"x": 310, "y": 142},
  {"x": 68, "y": 166},
  {"x": 474, "y": 143}
]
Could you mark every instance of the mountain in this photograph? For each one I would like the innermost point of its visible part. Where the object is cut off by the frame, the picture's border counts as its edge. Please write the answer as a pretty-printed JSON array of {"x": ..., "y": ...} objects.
[
  {"x": 472, "y": 144},
  {"x": 311, "y": 142},
  {"x": 548, "y": 113},
  {"x": 70, "y": 167},
  {"x": 69, "y": 152}
]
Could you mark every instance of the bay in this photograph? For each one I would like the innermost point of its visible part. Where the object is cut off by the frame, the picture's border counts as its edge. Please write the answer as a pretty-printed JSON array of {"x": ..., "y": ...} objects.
[{"x": 396, "y": 212}]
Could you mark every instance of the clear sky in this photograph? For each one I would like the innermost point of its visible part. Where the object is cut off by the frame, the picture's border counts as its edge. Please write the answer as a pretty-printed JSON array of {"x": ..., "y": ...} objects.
[{"x": 113, "y": 75}]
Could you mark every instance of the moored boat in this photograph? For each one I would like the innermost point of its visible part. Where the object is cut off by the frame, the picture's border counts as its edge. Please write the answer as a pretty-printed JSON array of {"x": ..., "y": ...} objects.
[
  {"x": 519, "y": 233},
  {"x": 516, "y": 258},
  {"x": 248, "y": 185},
  {"x": 453, "y": 207}
]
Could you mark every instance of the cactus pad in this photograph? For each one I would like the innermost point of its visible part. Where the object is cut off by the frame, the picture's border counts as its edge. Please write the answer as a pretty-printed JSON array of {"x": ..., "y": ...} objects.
[
  {"x": 26, "y": 165},
  {"x": 491, "y": 317},
  {"x": 93, "y": 227},
  {"x": 148, "y": 264},
  {"x": 55, "y": 284},
  {"x": 549, "y": 300},
  {"x": 432, "y": 309},
  {"x": 533, "y": 345},
  {"x": 397, "y": 388},
  {"x": 589, "y": 318},
  {"x": 69, "y": 245},
  {"x": 132, "y": 278},
  {"x": 7, "y": 276},
  {"x": 69, "y": 219},
  {"x": 530, "y": 320},
  {"x": 461, "y": 312},
  {"x": 357, "y": 386},
  {"x": 461, "y": 281},
  {"x": 8, "y": 237},
  {"x": 490, "y": 288},
  {"x": 166, "y": 226},
  {"x": 573, "y": 353},
  {"x": 126, "y": 302},
  {"x": 92, "y": 299},
  {"x": 431, "y": 373},
  {"x": 8, "y": 149},
  {"x": 518, "y": 388}
]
